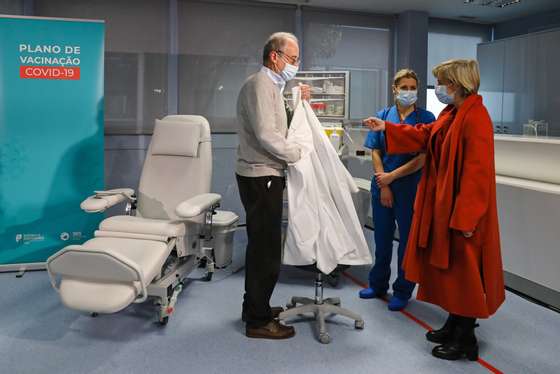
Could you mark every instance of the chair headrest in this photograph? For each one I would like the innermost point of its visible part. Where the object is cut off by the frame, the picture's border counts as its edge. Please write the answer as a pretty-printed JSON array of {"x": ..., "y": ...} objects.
[{"x": 179, "y": 136}]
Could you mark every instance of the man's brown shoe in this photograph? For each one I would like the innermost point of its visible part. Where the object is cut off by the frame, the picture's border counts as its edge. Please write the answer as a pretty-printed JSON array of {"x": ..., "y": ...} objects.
[{"x": 272, "y": 330}]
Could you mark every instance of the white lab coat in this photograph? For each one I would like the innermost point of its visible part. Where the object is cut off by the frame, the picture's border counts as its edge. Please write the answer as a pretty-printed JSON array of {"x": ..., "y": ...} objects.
[{"x": 323, "y": 226}]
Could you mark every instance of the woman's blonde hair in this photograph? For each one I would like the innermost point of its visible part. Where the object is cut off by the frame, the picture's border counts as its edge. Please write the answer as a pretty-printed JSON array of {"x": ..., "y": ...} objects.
[
  {"x": 462, "y": 73},
  {"x": 405, "y": 73}
]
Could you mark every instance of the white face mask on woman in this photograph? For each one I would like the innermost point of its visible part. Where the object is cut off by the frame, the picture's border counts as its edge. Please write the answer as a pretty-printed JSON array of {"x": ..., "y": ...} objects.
[
  {"x": 443, "y": 96},
  {"x": 407, "y": 98}
]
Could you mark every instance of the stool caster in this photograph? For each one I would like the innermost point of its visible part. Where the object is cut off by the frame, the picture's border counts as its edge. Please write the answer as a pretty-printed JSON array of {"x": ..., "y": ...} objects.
[{"x": 324, "y": 338}]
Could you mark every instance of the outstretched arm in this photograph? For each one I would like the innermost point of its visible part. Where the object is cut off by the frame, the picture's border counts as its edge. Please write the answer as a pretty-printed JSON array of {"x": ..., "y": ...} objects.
[{"x": 402, "y": 138}]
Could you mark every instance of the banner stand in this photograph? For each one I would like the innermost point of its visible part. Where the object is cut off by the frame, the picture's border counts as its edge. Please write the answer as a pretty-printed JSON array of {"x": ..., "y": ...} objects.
[
  {"x": 51, "y": 135},
  {"x": 22, "y": 268}
]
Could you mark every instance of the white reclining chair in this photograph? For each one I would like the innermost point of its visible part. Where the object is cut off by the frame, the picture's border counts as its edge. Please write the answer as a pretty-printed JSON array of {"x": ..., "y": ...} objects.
[{"x": 164, "y": 236}]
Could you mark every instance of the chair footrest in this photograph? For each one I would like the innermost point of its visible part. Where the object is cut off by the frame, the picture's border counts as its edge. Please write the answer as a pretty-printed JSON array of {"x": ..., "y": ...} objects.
[{"x": 106, "y": 274}]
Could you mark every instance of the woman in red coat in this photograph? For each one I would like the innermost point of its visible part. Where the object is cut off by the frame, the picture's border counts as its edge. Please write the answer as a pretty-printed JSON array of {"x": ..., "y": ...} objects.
[{"x": 453, "y": 248}]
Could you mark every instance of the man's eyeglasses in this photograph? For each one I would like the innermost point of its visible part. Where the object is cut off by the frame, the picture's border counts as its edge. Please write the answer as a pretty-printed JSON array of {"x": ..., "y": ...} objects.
[{"x": 294, "y": 60}]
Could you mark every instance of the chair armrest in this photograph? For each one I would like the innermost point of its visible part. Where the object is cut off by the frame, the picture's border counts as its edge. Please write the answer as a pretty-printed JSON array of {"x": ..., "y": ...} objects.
[
  {"x": 103, "y": 200},
  {"x": 197, "y": 205},
  {"x": 128, "y": 192}
]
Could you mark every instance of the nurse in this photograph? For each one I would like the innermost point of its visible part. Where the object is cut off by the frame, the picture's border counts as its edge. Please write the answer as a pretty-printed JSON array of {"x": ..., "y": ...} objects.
[{"x": 393, "y": 190}]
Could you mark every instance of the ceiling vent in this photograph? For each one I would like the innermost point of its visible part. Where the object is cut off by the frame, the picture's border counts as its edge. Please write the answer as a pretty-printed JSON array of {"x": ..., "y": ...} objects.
[
  {"x": 290, "y": 2},
  {"x": 492, "y": 3},
  {"x": 468, "y": 18}
]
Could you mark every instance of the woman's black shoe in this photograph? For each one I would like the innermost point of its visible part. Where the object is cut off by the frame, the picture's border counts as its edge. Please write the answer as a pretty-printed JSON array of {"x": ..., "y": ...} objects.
[
  {"x": 444, "y": 334},
  {"x": 463, "y": 344}
]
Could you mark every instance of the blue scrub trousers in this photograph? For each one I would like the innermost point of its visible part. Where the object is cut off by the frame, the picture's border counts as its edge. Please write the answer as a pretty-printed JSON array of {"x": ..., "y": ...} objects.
[{"x": 384, "y": 219}]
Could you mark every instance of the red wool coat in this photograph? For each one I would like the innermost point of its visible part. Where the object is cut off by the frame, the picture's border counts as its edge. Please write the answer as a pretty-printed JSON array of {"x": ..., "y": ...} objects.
[{"x": 457, "y": 193}]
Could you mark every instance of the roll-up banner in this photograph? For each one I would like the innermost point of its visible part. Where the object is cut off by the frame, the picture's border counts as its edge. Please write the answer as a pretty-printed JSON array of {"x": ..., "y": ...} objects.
[{"x": 51, "y": 135}]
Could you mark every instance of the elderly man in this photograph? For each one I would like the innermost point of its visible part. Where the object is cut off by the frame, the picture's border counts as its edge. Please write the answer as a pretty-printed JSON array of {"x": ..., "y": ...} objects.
[{"x": 263, "y": 154}]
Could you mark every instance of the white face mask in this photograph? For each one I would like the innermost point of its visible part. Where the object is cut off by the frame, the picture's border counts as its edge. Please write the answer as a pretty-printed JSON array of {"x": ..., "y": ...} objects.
[
  {"x": 289, "y": 72},
  {"x": 407, "y": 98},
  {"x": 443, "y": 96}
]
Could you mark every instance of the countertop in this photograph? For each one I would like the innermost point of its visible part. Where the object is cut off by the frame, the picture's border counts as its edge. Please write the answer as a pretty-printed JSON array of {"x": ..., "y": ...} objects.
[{"x": 527, "y": 139}]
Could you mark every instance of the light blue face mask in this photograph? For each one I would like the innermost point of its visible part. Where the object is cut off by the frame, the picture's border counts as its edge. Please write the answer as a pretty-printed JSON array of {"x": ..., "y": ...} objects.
[
  {"x": 407, "y": 98},
  {"x": 443, "y": 96},
  {"x": 289, "y": 72}
]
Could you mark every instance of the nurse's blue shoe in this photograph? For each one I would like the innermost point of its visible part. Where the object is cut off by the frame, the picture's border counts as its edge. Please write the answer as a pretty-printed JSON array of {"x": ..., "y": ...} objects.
[
  {"x": 370, "y": 293},
  {"x": 396, "y": 304}
]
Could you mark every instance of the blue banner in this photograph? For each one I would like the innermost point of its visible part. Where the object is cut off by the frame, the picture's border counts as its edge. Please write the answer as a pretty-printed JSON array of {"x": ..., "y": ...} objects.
[{"x": 51, "y": 134}]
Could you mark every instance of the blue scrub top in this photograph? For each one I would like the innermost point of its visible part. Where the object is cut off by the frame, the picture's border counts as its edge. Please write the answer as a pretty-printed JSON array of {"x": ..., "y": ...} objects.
[{"x": 376, "y": 140}]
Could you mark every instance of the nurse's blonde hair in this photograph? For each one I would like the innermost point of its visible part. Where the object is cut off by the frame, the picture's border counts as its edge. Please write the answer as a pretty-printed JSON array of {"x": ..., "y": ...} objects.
[
  {"x": 405, "y": 73},
  {"x": 463, "y": 73}
]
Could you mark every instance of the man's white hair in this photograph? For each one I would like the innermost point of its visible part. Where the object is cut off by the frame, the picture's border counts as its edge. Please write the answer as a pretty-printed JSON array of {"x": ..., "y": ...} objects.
[{"x": 277, "y": 42}]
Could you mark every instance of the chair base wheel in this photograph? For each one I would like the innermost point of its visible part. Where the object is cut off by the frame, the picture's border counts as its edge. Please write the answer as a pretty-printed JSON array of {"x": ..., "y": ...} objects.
[
  {"x": 324, "y": 338},
  {"x": 163, "y": 321},
  {"x": 359, "y": 325}
]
